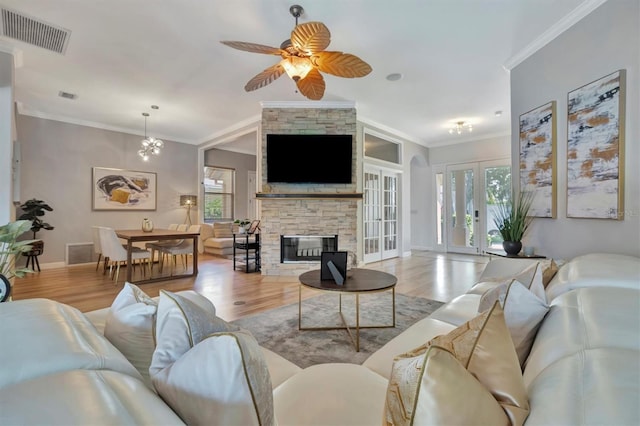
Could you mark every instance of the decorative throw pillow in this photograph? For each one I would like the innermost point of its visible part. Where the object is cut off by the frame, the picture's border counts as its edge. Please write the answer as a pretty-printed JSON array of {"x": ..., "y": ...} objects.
[
  {"x": 549, "y": 270},
  {"x": 129, "y": 326},
  {"x": 523, "y": 313},
  {"x": 207, "y": 370},
  {"x": 434, "y": 388},
  {"x": 484, "y": 347},
  {"x": 223, "y": 229}
]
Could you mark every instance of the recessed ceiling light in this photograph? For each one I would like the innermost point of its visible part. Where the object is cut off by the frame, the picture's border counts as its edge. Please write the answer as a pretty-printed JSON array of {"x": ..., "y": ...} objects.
[
  {"x": 155, "y": 107},
  {"x": 498, "y": 113},
  {"x": 394, "y": 76}
]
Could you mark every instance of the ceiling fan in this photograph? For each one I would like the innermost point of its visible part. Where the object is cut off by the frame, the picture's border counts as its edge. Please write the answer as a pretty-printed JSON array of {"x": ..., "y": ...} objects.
[{"x": 303, "y": 57}]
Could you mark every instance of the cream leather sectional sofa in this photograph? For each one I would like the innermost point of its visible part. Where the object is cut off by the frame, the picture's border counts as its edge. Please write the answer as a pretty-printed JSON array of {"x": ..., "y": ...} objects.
[{"x": 583, "y": 367}]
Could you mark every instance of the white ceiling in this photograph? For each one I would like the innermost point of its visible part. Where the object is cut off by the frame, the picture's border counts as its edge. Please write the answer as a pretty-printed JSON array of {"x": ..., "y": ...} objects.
[{"x": 125, "y": 55}]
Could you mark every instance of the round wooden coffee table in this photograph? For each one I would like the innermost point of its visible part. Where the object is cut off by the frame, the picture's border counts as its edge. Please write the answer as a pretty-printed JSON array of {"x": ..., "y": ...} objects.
[{"x": 358, "y": 281}]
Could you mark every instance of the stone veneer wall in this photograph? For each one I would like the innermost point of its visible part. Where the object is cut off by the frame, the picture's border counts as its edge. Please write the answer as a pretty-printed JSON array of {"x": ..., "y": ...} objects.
[{"x": 307, "y": 216}]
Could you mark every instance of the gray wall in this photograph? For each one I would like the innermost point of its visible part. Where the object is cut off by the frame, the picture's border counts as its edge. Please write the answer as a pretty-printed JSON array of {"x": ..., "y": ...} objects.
[
  {"x": 242, "y": 163},
  {"x": 57, "y": 160},
  {"x": 603, "y": 42}
]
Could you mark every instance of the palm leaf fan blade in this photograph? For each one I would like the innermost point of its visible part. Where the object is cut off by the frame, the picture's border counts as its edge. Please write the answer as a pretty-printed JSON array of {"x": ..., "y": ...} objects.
[
  {"x": 265, "y": 77},
  {"x": 341, "y": 64},
  {"x": 253, "y": 47},
  {"x": 310, "y": 37},
  {"x": 312, "y": 86}
]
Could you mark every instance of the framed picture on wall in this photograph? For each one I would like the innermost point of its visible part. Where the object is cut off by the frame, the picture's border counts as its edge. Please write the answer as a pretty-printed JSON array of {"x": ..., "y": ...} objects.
[
  {"x": 538, "y": 158},
  {"x": 595, "y": 149},
  {"x": 117, "y": 189}
]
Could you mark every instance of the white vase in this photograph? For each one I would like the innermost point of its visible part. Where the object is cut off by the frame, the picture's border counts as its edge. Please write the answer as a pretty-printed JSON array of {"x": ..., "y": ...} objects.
[{"x": 147, "y": 225}]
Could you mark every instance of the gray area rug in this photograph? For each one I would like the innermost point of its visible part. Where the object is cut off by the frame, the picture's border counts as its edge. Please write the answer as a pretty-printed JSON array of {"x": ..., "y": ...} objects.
[{"x": 277, "y": 329}]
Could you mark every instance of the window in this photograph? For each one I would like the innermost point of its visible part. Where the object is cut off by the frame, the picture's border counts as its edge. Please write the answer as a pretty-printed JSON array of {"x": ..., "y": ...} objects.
[
  {"x": 218, "y": 194},
  {"x": 381, "y": 149}
]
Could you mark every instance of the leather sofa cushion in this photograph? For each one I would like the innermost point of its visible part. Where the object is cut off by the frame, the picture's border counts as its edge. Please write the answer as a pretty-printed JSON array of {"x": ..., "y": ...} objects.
[
  {"x": 331, "y": 394},
  {"x": 460, "y": 310},
  {"x": 598, "y": 386},
  {"x": 83, "y": 397},
  {"x": 584, "y": 319},
  {"x": 38, "y": 330},
  {"x": 420, "y": 332},
  {"x": 218, "y": 243},
  {"x": 596, "y": 269}
]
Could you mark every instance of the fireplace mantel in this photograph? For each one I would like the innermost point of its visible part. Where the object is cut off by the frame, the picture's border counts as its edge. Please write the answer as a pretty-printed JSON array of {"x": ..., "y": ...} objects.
[{"x": 310, "y": 195}]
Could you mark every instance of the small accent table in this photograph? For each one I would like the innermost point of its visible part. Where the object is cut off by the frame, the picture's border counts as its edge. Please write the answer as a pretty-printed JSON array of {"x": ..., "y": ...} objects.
[
  {"x": 246, "y": 250},
  {"x": 502, "y": 253},
  {"x": 358, "y": 281}
]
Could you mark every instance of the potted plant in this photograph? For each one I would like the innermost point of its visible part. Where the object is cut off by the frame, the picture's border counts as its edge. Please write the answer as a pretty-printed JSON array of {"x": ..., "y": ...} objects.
[
  {"x": 242, "y": 225},
  {"x": 512, "y": 220},
  {"x": 9, "y": 248},
  {"x": 33, "y": 210}
]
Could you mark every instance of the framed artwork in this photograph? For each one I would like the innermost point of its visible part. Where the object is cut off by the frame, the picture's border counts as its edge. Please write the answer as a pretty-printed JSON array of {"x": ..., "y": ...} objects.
[
  {"x": 595, "y": 149},
  {"x": 116, "y": 189},
  {"x": 538, "y": 158}
]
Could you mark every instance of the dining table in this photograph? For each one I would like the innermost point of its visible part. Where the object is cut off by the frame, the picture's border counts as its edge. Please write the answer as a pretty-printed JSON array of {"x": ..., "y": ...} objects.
[{"x": 132, "y": 236}]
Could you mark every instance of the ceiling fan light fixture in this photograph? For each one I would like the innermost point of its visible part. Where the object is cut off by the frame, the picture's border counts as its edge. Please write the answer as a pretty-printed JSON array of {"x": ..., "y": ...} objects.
[{"x": 296, "y": 67}]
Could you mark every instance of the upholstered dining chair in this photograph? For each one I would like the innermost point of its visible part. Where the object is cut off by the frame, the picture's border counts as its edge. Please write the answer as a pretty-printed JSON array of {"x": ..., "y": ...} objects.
[
  {"x": 183, "y": 249},
  {"x": 157, "y": 245},
  {"x": 97, "y": 247},
  {"x": 116, "y": 253}
]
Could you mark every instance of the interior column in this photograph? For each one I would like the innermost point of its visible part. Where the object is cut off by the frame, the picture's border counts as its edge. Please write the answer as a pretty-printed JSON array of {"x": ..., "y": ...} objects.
[{"x": 7, "y": 136}]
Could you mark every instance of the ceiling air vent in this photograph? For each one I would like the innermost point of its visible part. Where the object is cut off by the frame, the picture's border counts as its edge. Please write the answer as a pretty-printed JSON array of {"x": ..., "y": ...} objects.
[
  {"x": 67, "y": 95},
  {"x": 34, "y": 31}
]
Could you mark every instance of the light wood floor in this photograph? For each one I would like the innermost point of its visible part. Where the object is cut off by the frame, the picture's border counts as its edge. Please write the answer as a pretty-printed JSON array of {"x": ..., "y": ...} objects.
[{"x": 235, "y": 294}]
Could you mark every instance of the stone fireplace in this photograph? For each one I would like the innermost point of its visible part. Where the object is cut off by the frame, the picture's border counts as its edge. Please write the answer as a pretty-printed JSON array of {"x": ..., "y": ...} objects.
[{"x": 308, "y": 209}]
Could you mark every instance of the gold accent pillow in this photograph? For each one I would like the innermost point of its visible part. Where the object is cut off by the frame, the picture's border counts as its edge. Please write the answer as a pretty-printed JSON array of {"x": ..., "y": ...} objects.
[
  {"x": 223, "y": 229},
  {"x": 484, "y": 347},
  {"x": 549, "y": 270},
  {"x": 433, "y": 388}
]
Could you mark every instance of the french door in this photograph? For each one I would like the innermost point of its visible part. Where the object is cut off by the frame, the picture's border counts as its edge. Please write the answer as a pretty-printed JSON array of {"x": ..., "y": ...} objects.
[
  {"x": 380, "y": 215},
  {"x": 471, "y": 192}
]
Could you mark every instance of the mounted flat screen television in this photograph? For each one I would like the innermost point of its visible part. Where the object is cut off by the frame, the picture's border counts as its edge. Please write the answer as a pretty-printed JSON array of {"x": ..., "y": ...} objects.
[{"x": 309, "y": 158}]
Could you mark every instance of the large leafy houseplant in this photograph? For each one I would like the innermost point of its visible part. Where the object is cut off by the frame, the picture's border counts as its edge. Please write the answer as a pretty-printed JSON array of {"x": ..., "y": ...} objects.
[
  {"x": 33, "y": 210},
  {"x": 512, "y": 219},
  {"x": 9, "y": 248}
]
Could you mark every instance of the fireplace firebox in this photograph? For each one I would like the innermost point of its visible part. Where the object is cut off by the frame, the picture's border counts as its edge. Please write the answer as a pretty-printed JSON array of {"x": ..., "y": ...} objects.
[{"x": 305, "y": 248}]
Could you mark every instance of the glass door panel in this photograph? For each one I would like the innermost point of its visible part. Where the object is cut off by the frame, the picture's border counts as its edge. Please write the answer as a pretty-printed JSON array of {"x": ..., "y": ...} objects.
[
  {"x": 372, "y": 220},
  {"x": 497, "y": 182},
  {"x": 462, "y": 209}
]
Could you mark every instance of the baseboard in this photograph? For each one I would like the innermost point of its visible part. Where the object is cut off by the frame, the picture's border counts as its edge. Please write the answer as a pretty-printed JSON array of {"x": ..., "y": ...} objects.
[
  {"x": 54, "y": 265},
  {"x": 406, "y": 254},
  {"x": 424, "y": 248}
]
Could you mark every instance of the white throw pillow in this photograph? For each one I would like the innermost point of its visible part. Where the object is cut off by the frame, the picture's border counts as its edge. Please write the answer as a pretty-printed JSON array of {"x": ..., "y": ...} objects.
[
  {"x": 207, "y": 370},
  {"x": 523, "y": 313},
  {"x": 130, "y": 327}
]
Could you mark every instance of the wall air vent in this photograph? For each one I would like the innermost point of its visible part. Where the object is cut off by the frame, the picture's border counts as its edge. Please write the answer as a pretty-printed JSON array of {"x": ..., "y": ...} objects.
[
  {"x": 33, "y": 31},
  {"x": 67, "y": 95}
]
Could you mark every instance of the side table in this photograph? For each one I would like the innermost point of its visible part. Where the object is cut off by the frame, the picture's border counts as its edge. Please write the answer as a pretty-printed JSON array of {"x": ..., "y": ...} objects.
[
  {"x": 502, "y": 253},
  {"x": 246, "y": 250}
]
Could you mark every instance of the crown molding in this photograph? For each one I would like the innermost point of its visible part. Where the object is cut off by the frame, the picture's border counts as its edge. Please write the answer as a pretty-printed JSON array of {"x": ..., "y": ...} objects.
[
  {"x": 69, "y": 120},
  {"x": 238, "y": 129},
  {"x": 309, "y": 104},
  {"x": 460, "y": 140},
  {"x": 554, "y": 31},
  {"x": 374, "y": 125}
]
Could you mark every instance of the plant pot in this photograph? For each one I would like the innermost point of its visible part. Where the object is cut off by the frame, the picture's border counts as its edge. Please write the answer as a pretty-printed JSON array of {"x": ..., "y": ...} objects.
[
  {"x": 5, "y": 288},
  {"x": 512, "y": 247}
]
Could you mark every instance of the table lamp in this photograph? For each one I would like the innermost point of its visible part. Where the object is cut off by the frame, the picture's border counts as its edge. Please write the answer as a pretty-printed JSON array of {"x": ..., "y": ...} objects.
[{"x": 188, "y": 201}]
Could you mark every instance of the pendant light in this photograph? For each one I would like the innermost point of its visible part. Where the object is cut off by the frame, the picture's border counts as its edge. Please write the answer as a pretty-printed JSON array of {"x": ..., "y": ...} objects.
[{"x": 150, "y": 145}]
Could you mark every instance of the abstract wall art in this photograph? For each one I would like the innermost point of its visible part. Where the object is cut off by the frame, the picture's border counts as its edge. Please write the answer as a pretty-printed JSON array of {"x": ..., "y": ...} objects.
[
  {"x": 116, "y": 189},
  {"x": 595, "y": 149},
  {"x": 538, "y": 158}
]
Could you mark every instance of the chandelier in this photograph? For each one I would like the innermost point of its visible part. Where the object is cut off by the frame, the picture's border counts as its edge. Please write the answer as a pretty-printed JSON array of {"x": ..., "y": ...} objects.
[
  {"x": 150, "y": 145},
  {"x": 460, "y": 126}
]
